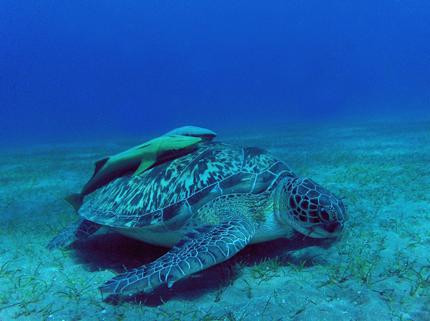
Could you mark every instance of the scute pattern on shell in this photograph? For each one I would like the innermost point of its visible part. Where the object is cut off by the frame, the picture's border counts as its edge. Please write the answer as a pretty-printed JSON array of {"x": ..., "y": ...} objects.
[{"x": 176, "y": 189}]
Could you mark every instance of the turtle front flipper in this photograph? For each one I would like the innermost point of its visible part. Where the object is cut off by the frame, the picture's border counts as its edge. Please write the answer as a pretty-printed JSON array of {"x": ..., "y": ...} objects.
[
  {"x": 200, "y": 249},
  {"x": 79, "y": 230}
]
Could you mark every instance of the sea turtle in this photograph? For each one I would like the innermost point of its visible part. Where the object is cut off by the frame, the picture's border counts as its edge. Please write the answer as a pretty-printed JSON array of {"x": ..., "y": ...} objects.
[{"x": 206, "y": 205}]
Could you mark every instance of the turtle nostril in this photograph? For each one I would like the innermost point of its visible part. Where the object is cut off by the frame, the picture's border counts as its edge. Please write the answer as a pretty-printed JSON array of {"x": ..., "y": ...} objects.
[{"x": 331, "y": 227}]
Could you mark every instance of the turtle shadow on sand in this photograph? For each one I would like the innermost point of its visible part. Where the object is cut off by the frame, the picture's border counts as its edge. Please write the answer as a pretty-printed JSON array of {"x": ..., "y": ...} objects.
[{"x": 119, "y": 253}]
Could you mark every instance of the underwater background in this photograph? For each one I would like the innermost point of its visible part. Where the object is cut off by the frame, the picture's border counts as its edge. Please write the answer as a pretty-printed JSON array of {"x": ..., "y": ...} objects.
[
  {"x": 83, "y": 69},
  {"x": 339, "y": 90}
]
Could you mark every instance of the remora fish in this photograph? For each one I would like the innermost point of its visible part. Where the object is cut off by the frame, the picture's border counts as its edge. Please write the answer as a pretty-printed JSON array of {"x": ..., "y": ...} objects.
[{"x": 138, "y": 159}]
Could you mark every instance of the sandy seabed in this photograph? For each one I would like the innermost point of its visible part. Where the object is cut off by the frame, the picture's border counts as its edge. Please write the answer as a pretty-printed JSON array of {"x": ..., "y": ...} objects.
[{"x": 378, "y": 270}]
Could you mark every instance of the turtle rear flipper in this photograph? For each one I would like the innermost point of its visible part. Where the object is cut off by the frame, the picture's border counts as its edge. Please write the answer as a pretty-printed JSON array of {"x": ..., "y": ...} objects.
[
  {"x": 200, "y": 249},
  {"x": 79, "y": 230},
  {"x": 75, "y": 200}
]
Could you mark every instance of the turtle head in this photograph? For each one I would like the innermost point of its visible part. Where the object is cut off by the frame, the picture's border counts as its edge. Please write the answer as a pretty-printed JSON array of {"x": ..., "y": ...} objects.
[{"x": 309, "y": 208}]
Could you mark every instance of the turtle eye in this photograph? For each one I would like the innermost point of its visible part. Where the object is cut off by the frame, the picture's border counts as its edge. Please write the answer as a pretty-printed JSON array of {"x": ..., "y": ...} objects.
[{"x": 324, "y": 215}]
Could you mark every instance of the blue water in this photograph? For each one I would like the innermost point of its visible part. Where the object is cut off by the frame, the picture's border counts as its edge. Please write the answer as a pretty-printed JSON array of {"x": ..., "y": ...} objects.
[
  {"x": 84, "y": 69},
  {"x": 339, "y": 90}
]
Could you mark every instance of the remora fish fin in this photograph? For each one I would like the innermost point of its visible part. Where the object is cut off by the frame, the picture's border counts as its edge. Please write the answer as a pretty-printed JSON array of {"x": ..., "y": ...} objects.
[
  {"x": 75, "y": 200},
  {"x": 99, "y": 164},
  {"x": 174, "y": 143},
  {"x": 164, "y": 148},
  {"x": 144, "y": 165}
]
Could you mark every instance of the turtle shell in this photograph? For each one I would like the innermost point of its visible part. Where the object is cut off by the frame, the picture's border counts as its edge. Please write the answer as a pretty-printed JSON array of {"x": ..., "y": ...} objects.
[{"x": 176, "y": 189}]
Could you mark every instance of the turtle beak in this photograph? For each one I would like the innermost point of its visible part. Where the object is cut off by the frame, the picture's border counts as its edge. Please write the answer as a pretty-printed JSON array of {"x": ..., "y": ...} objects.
[
  {"x": 332, "y": 227},
  {"x": 325, "y": 230}
]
